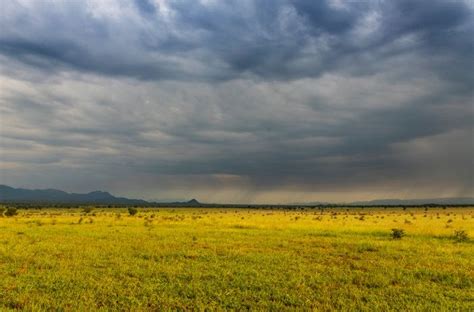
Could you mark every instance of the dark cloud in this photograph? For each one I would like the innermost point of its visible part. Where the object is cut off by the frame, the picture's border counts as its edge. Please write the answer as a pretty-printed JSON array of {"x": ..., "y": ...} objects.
[
  {"x": 240, "y": 98},
  {"x": 324, "y": 18},
  {"x": 271, "y": 39},
  {"x": 145, "y": 7}
]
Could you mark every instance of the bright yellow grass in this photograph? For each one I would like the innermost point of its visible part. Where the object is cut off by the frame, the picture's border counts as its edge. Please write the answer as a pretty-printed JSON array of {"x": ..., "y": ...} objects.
[{"x": 237, "y": 259}]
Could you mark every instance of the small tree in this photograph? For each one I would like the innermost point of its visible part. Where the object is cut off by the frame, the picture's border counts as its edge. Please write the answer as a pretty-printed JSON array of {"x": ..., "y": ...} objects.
[
  {"x": 398, "y": 233},
  {"x": 132, "y": 211},
  {"x": 11, "y": 211}
]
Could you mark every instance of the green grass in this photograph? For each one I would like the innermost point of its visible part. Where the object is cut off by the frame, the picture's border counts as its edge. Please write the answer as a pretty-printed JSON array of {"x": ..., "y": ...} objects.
[{"x": 235, "y": 259}]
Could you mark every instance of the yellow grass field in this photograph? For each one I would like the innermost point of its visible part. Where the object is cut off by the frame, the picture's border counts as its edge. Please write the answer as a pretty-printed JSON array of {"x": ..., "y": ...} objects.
[{"x": 237, "y": 259}]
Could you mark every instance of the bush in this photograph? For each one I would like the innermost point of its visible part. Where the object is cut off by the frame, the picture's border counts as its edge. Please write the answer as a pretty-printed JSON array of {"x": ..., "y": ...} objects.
[
  {"x": 461, "y": 236},
  {"x": 132, "y": 211},
  {"x": 11, "y": 211},
  {"x": 87, "y": 209},
  {"x": 2, "y": 210},
  {"x": 398, "y": 233}
]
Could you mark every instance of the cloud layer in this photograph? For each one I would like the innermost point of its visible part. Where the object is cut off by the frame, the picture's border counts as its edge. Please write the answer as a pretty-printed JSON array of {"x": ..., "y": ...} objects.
[{"x": 240, "y": 101}]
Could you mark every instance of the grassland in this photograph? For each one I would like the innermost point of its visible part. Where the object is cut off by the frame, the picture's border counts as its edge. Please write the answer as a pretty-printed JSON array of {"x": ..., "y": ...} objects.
[{"x": 237, "y": 259}]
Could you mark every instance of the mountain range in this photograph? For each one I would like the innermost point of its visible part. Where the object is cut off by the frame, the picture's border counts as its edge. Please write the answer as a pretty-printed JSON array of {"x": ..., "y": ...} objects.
[
  {"x": 425, "y": 201},
  {"x": 20, "y": 195}
]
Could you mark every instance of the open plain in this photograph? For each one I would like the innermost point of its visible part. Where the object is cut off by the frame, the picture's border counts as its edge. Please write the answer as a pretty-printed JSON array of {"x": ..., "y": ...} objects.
[{"x": 238, "y": 259}]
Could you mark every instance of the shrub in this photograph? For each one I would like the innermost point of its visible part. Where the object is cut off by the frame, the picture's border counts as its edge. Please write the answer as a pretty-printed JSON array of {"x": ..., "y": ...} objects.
[
  {"x": 398, "y": 233},
  {"x": 461, "y": 236},
  {"x": 87, "y": 209},
  {"x": 11, "y": 211},
  {"x": 132, "y": 211},
  {"x": 2, "y": 210}
]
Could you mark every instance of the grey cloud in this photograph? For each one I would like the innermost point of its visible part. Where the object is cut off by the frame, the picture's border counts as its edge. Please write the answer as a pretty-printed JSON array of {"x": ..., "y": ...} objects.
[
  {"x": 276, "y": 40},
  {"x": 322, "y": 17},
  {"x": 253, "y": 97},
  {"x": 145, "y": 7}
]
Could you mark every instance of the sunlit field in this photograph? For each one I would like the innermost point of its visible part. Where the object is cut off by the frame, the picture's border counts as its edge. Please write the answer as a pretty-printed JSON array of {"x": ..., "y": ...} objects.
[{"x": 238, "y": 259}]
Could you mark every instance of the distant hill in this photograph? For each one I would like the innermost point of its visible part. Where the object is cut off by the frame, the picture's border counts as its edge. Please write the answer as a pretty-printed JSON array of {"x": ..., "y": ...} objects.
[
  {"x": 399, "y": 202},
  {"x": 19, "y": 195},
  {"x": 193, "y": 202},
  {"x": 190, "y": 203},
  {"x": 425, "y": 201}
]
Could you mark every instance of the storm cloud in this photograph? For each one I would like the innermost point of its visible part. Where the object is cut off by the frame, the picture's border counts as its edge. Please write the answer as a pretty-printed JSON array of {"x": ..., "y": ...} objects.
[{"x": 239, "y": 101}]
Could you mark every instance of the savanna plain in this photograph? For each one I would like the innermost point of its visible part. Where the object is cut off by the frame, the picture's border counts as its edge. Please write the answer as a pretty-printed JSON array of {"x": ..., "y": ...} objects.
[{"x": 364, "y": 259}]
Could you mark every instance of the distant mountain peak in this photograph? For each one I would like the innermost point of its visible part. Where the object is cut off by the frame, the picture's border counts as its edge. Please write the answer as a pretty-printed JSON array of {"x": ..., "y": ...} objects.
[
  {"x": 99, "y": 193},
  {"x": 193, "y": 202}
]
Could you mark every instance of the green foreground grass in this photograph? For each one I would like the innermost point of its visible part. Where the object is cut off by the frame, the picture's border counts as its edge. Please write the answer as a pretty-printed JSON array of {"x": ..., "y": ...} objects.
[{"x": 237, "y": 259}]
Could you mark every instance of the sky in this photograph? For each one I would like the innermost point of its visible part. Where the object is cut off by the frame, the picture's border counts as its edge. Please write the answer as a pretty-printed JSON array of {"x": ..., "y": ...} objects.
[{"x": 264, "y": 101}]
